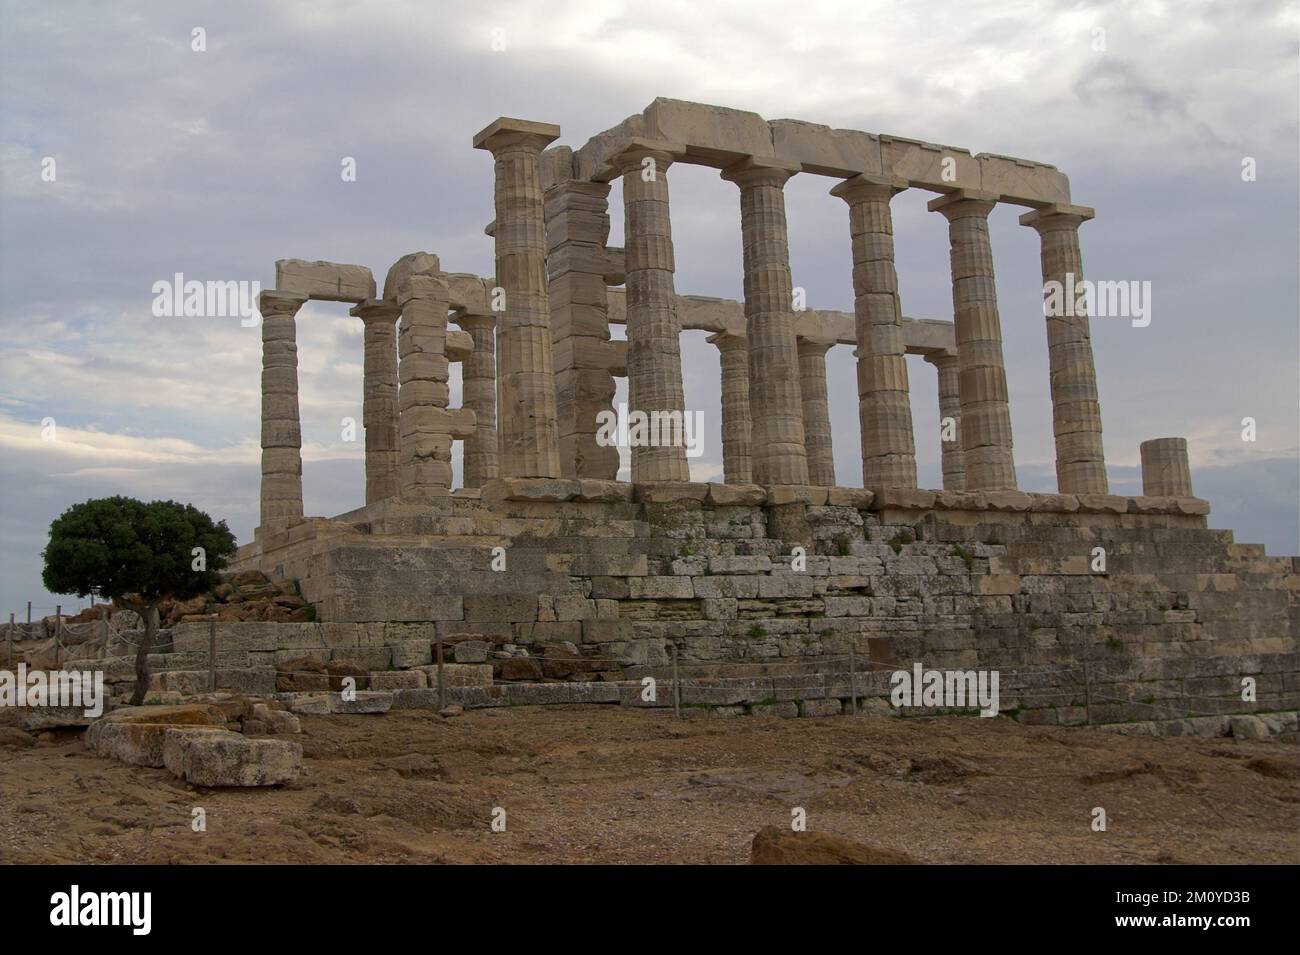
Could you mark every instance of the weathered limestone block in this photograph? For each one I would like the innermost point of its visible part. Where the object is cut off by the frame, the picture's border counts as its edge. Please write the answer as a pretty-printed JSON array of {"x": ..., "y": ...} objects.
[
  {"x": 215, "y": 760},
  {"x": 826, "y": 151},
  {"x": 327, "y": 281},
  {"x": 1165, "y": 469}
]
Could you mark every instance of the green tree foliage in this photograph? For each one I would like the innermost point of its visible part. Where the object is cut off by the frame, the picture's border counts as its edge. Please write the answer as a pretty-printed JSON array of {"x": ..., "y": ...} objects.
[{"x": 138, "y": 554}]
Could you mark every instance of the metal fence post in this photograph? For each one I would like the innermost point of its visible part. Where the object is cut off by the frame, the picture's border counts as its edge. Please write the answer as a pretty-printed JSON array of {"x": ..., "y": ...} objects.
[
  {"x": 677, "y": 685},
  {"x": 212, "y": 654},
  {"x": 853, "y": 683},
  {"x": 442, "y": 680}
]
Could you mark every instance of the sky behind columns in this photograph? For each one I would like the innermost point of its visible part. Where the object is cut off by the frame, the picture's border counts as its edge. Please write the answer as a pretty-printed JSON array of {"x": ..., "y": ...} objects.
[{"x": 216, "y": 163}]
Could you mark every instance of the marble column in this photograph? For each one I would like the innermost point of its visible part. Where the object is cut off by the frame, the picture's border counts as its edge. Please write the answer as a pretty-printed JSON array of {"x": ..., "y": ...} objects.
[
  {"x": 733, "y": 356},
  {"x": 281, "y": 427},
  {"x": 816, "y": 412},
  {"x": 779, "y": 455},
  {"x": 954, "y": 468},
  {"x": 654, "y": 360},
  {"x": 985, "y": 410},
  {"x": 884, "y": 401},
  {"x": 379, "y": 397},
  {"x": 577, "y": 232},
  {"x": 529, "y": 444},
  {"x": 479, "y": 394},
  {"x": 424, "y": 434},
  {"x": 1165, "y": 470},
  {"x": 1076, "y": 412}
]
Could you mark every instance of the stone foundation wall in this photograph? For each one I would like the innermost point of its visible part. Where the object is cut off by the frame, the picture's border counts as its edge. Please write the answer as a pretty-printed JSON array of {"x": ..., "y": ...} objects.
[{"x": 602, "y": 577}]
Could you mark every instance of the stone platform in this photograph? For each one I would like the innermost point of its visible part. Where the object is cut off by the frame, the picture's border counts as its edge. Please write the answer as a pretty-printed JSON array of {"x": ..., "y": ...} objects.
[{"x": 739, "y": 575}]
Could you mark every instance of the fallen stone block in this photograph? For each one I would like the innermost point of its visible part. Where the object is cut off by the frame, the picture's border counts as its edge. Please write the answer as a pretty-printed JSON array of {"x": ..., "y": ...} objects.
[
  {"x": 217, "y": 760},
  {"x": 38, "y": 718},
  {"x": 136, "y": 744},
  {"x": 277, "y": 721}
]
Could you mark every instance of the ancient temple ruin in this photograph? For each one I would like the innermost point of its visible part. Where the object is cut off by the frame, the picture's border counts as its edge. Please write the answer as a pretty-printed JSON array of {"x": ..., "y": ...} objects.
[{"x": 974, "y": 573}]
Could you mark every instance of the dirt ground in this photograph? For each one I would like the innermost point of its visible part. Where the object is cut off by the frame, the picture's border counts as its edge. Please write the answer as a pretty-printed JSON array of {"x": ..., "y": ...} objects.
[{"x": 616, "y": 785}]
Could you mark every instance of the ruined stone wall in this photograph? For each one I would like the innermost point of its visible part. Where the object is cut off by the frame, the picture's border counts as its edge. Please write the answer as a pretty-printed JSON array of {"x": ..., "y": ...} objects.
[{"x": 613, "y": 573}]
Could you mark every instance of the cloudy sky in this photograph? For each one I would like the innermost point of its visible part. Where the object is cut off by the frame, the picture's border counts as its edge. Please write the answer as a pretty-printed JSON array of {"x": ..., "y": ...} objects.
[{"x": 215, "y": 163}]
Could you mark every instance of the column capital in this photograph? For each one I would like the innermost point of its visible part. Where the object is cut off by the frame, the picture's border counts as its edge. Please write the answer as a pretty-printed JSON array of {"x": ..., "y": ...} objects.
[
  {"x": 940, "y": 359},
  {"x": 626, "y": 155},
  {"x": 467, "y": 320},
  {"x": 964, "y": 203},
  {"x": 760, "y": 171},
  {"x": 728, "y": 339},
  {"x": 1058, "y": 215},
  {"x": 275, "y": 302},
  {"x": 376, "y": 310},
  {"x": 863, "y": 187},
  {"x": 506, "y": 133},
  {"x": 812, "y": 346}
]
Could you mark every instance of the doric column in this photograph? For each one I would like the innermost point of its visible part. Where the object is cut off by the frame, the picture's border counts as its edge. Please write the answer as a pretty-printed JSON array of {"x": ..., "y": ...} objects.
[
  {"x": 816, "y": 412},
  {"x": 774, "y": 397},
  {"x": 733, "y": 355},
  {"x": 654, "y": 359},
  {"x": 954, "y": 468},
  {"x": 526, "y": 416},
  {"x": 1165, "y": 471},
  {"x": 423, "y": 433},
  {"x": 1076, "y": 413},
  {"x": 479, "y": 391},
  {"x": 577, "y": 231},
  {"x": 281, "y": 427},
  {"x": 884, "y": 403},
  {"x": 379, "y": 397},
  {"x": 985, "y": 412}
]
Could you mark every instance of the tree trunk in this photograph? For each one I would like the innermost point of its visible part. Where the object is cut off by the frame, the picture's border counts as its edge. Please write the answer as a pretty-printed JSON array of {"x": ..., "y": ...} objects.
[{"x": 142, "y": 655}]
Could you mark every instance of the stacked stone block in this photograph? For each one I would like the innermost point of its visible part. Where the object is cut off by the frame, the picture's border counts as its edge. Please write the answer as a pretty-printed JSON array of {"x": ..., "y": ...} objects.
[
  {"x": 281, "y": 426},
  {"x": 577, "y": 230}
]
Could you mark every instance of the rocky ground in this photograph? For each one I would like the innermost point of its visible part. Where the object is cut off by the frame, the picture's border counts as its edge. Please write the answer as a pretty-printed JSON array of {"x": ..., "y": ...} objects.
[{"x": 609, "y": 784}]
